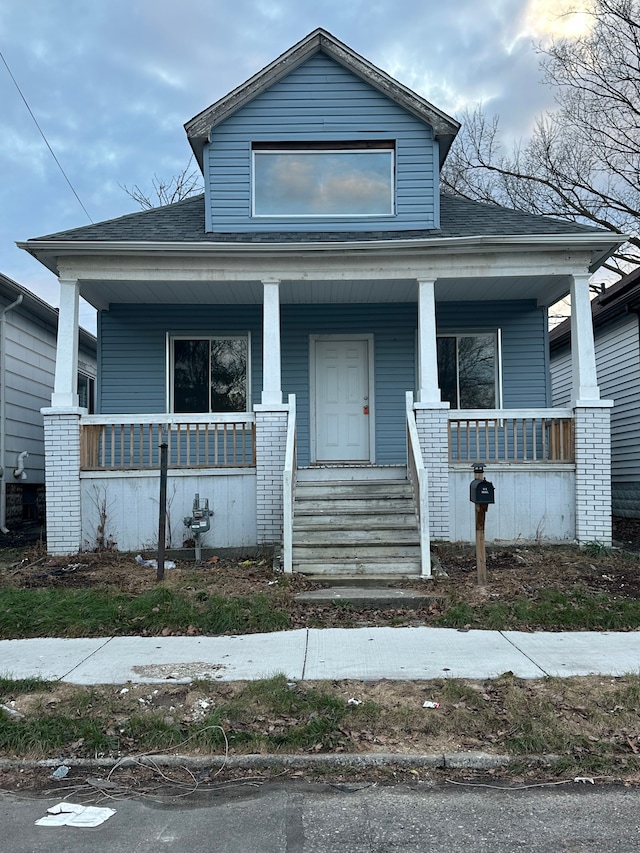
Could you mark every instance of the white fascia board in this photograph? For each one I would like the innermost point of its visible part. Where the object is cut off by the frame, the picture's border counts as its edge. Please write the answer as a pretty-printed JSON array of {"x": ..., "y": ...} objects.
[{"x": 420, "y": 258}]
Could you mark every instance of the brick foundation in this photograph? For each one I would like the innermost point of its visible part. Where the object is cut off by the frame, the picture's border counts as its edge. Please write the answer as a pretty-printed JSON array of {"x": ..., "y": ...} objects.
[
  {"x": 271, "y": 439},
  {"x": 62, "y": 475},
  {"x": 593, "y": 474},
  {"x": 432, "y": 425}
]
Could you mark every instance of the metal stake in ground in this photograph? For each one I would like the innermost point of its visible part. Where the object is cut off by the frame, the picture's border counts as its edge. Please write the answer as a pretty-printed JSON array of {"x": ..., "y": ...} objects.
[{"x": 162, "y": 521}]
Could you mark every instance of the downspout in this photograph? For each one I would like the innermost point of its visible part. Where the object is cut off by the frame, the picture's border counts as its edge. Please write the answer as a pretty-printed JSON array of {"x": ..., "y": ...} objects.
[{"x": 3, "y": 404}]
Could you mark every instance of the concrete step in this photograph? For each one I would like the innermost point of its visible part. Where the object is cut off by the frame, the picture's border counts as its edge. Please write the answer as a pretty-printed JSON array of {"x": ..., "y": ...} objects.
[
  {"x": 374, "y": 597},
  {"x": 381, "y": 580}
]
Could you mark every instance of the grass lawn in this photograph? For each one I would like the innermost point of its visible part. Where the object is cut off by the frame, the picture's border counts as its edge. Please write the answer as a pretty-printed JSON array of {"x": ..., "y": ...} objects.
[{"x": 108, "y": 594}]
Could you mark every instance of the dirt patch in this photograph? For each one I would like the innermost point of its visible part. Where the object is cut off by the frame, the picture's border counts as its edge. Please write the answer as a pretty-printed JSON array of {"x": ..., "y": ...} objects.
[
  {"x": 511, "y": 569},
  {"x": 121, "y": 573},
  {"x": 515, "y": 573}
]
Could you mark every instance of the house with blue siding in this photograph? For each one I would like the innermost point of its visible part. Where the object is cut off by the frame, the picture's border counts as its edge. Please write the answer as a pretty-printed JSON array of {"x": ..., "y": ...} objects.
[{"x": 326, "y": 342}]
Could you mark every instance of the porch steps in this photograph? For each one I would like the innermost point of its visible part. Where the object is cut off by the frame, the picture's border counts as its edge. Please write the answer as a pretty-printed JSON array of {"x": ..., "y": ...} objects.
[{"x": 355, "y": 526}]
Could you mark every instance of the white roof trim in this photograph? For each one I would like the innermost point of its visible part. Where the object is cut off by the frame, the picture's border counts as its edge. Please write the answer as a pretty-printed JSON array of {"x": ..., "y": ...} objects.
[{"x": 199, "y": 127}]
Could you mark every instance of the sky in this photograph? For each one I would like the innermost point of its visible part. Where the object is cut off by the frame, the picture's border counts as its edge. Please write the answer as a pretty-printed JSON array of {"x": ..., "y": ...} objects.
[{"x": 112, "y": 82}]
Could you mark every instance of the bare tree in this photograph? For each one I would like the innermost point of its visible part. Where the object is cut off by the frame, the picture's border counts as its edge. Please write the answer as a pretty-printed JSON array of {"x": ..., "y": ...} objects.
[
  {"x": 186, "y": 183},
  {"x": 582, "y": 161}
]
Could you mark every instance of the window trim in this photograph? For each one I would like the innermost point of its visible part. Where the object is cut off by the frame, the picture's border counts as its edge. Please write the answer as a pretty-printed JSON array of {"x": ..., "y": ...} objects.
[
  {"x": 91, "y": 390},
  {"x": 334, "y": 147},
  {"x": 496, "y": 334},
  {"x": 204, "y": 336}
]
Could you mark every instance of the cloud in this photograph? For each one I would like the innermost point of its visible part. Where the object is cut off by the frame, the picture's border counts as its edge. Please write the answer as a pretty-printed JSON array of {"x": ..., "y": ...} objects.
[{"x": 112, "y": 82}]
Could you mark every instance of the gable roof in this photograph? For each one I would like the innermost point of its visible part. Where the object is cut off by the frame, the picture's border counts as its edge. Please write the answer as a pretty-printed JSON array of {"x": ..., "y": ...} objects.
[
  {"x": 621, "y": 298},
  {"x": 199, "y": 128}
]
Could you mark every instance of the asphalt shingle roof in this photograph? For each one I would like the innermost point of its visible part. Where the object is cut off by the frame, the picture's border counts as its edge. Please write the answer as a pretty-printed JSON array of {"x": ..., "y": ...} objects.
[{"x": 184, "y": 222}]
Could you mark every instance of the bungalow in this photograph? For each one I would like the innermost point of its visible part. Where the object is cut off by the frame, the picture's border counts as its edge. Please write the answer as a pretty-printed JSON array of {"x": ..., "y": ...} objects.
[{"x": 326, "y": 341}]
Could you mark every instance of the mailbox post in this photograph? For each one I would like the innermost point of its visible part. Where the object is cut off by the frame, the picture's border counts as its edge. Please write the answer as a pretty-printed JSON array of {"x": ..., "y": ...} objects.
[{"x": 481, "y": 493}]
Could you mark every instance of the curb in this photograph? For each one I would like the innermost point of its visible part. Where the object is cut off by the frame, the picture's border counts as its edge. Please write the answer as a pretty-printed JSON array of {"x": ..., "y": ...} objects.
[{"x": 447, "y": 761}]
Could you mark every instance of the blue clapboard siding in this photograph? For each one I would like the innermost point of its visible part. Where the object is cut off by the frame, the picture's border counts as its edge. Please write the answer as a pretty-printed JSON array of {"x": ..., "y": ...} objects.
[
  {"x": 393, "y": 328},
  {"x": 524, "y": 353},
  {"x": 320, "y": 101},
  {"x": 133, "y": 349},
  {"x": 133, "y": 356}
]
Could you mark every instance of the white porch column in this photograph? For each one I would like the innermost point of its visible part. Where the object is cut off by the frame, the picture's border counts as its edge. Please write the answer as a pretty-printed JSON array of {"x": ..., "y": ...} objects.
[
  {"x": 65, "y": 389},
  {"x": 271, "y": 423},
  {"x": 271, "y": 377},
  {"x": 592, "y": 424},
  {"x": 432, "y": 414},
  {"x": 583, "y": 354},
  {"x": 62, "y": 433},
  {"x": 429, "y": 391}
]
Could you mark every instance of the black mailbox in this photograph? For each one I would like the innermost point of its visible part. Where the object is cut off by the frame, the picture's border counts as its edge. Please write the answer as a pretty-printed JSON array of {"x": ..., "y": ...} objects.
[{"x": 481, "y": 492}]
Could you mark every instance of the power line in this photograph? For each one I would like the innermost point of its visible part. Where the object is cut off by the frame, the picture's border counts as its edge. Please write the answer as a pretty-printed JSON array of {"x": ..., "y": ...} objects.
[{"x": 35, "y": 120}]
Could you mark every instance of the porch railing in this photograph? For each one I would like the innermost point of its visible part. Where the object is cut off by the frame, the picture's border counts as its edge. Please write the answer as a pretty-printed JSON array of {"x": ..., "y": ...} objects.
[
  {"x": 289, "y": 487},
  {"x": 418, "y": 478},
  {"x": 132, "y": 442},
  {"x": 516, "y": 435}
]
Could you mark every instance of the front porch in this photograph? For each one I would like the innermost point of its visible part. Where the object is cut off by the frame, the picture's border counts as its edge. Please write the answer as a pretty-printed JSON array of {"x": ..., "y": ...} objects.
[
  {"x": 246, "y": 466},
  {"x": 358, "y": 323}
]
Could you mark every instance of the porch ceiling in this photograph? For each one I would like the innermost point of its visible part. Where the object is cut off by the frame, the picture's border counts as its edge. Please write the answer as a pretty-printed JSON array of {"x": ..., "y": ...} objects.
[{"x": 545, "y": 289}]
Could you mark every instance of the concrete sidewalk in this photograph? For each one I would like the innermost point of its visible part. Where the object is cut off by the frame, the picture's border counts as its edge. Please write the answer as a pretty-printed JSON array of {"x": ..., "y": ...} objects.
[{"x": 333, "y": 653}]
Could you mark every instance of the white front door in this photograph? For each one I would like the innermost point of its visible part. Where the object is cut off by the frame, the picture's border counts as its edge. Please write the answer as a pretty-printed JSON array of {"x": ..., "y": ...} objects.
[{"x": 342, "y": 405}]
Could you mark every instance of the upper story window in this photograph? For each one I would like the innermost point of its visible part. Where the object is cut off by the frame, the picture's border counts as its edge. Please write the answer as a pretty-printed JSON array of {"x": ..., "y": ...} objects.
[
  {"x": 324, "y": 179},
  {"x": 468, "y": 370},
  {"x": 209, "y": 374}
]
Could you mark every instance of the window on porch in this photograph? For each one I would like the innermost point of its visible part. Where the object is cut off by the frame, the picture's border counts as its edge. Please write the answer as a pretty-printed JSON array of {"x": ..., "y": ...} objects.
[
  {"x": 209, "y": 374},
  {"x": 87, "y": 392},
  {"x": 468, "y": 370}
]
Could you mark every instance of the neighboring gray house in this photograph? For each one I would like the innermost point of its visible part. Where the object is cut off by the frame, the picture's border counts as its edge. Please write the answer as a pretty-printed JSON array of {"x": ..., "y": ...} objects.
[
  {"x": 28, "y": 328},
  {"x": 326, "y": 341},
  {"x": 617, "y": 347}
]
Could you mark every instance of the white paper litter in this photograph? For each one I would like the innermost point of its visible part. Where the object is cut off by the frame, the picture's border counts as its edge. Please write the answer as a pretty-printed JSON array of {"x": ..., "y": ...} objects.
[
  {"x": 72, "y": 814},
  {"x": 153, "y": 564}
]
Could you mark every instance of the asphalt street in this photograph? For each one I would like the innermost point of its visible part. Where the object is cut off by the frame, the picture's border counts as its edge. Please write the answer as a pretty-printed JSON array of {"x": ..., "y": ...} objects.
[{"x": 309, "y": 818}]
